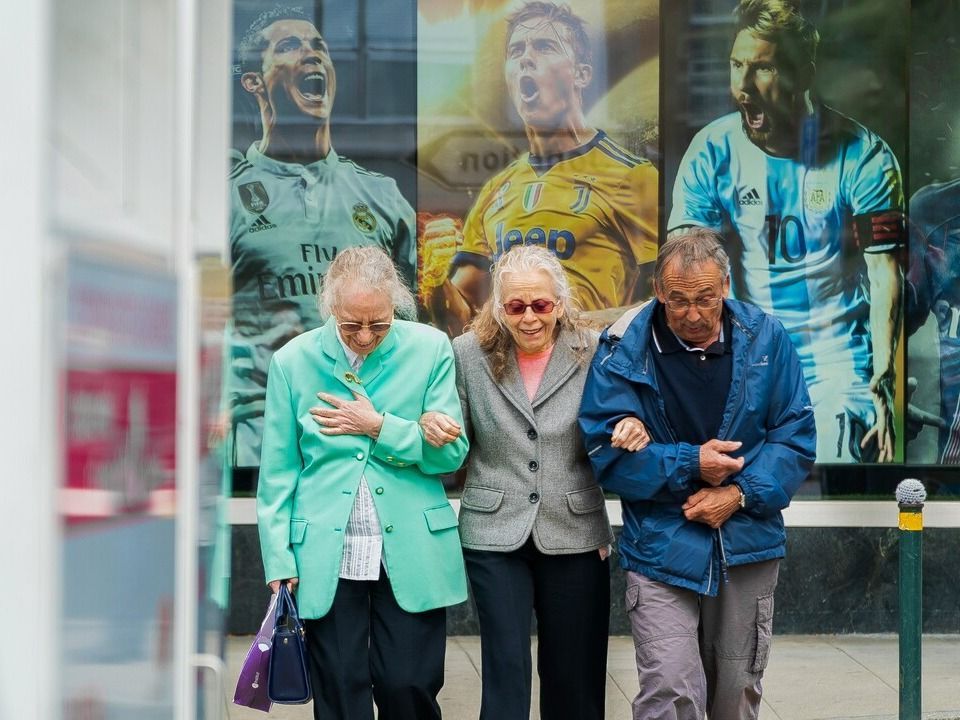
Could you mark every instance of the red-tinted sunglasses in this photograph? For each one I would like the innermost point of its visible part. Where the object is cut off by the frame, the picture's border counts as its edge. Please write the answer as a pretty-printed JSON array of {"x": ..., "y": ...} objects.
[{"x": 519, "y": 307}]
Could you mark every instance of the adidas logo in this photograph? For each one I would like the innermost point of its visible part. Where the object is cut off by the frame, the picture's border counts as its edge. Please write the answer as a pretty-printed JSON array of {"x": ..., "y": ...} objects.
[
  {"x": 261, "y": 223},
  {"x": 750, "y": 197}
]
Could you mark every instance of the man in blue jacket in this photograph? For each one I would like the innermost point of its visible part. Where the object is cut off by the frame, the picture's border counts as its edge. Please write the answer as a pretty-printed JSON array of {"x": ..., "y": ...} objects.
[{"x": 720, "y": 389}]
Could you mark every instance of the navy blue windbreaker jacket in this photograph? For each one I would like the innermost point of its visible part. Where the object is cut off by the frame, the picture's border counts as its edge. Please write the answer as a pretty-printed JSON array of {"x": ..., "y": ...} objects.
[{"x": 768, "y": 410}]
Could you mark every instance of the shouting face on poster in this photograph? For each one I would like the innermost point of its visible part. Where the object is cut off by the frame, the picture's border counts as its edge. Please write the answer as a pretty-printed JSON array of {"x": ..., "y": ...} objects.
[
  {"x": 297, "y": 73},
  {"x": 768, "y": 92},
  {"x": 546, "y": 75}
]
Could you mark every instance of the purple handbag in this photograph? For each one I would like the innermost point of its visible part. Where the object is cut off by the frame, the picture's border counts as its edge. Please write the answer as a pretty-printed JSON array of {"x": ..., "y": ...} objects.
[{"x": 251, "y": 689}]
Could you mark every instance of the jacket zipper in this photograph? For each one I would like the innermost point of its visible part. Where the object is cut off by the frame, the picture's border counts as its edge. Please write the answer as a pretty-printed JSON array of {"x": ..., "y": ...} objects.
[
  {"x": 710, "y": 577},
  {"x": 724, "y": 575},
  {"x": 723, "y": 558}
]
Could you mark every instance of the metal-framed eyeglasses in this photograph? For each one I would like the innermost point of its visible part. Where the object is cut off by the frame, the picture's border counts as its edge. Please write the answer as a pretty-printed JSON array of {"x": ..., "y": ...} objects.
[
  {"x": 682, "y": 306},
  {"x": 540, "y": 306},
  {"x": 352, "y": 328}
]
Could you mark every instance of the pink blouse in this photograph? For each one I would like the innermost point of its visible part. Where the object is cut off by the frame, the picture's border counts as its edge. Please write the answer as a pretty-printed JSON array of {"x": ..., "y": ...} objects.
[{"x": 532, "y": 367}]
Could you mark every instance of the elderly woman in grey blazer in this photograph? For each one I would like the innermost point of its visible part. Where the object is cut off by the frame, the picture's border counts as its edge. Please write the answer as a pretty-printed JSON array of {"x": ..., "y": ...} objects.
[{"x": 533, "y": 522}]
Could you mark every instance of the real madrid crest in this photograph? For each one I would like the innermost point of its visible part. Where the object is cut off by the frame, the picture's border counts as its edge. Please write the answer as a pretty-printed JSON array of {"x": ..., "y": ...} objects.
[
  {"x": 363, "y": 219},
  {"x": 254, "y": 197}
]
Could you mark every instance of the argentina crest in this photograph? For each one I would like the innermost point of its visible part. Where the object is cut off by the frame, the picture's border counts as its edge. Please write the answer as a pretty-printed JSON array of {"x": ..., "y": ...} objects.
[{"x": 254, "y": 197}]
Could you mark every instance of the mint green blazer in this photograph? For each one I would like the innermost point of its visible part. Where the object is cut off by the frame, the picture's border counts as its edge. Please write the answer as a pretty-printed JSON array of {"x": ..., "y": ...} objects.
[{"x": 308, "y": 481}]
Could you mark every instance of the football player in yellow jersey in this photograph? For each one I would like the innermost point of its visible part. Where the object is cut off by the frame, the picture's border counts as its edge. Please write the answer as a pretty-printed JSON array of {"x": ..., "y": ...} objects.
[{"x": 576, "y": 192}]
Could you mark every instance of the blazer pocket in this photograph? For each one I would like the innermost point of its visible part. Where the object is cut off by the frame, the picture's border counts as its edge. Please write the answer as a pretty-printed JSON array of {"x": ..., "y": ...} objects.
[
  {"x": 586, "y": 501},
  {"x": 298, "y": 529},
  {"x": 440, "y": 517},
  {"x": 481, "y": 499}
]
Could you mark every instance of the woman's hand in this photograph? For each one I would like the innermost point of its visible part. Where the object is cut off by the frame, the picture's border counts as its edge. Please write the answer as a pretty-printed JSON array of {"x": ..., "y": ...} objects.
[
  {"x": 439, "y": 429},
  {"x": 291, "y": 584},
  {"x": 630, "y": 434},
  {"x": 347, "y": 417}
]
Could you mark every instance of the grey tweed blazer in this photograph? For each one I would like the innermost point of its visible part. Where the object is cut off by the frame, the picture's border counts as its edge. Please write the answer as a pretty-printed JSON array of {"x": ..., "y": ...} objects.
[{"x": 527, "y": 471}]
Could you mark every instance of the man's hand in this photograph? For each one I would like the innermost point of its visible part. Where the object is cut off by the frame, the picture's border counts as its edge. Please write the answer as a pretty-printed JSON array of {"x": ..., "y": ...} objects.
[
  {"x": 884, "y": 432},
  {"x": 630, "y": 434},
  {"x": 291, "y": 584},
  {"x": 715, "y": 464},
  {"x": 441, "y": 237},
  {"x": 347, "y": 417},
  {"x": 712, "y": 506},
  {"x": 439, "y": 429}
]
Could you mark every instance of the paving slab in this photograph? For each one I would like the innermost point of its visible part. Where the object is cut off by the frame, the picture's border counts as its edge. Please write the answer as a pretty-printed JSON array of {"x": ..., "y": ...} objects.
[{"x": 810, "y": 677}]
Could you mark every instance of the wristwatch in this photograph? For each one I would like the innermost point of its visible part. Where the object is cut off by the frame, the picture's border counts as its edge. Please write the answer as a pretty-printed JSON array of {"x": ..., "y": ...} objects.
[{"x": 743, "y": 498}]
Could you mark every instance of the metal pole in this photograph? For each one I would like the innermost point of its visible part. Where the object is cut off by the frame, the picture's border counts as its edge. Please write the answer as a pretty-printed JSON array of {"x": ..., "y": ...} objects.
[{"x": 910, "y": 497}]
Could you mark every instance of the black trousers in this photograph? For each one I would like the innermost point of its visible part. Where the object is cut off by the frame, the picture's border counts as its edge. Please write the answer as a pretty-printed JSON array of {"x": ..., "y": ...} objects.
[
  {"x": 368, "y": 649},
  {"x": 570, "y": 595}
]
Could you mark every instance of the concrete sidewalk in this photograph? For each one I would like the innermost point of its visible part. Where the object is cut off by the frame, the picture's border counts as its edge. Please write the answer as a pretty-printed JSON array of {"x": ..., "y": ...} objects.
[{"x": 810, "y": 677}]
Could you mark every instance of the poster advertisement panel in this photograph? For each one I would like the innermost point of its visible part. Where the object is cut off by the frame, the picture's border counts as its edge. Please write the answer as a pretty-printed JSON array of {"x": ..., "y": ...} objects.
[
  {"x": 537, "y": 124},
  {"x": 786, "y": 133}
]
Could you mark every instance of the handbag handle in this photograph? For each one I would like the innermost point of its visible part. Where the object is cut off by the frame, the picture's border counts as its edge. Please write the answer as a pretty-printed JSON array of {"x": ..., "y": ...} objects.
[{"x": 286, "y": 613}]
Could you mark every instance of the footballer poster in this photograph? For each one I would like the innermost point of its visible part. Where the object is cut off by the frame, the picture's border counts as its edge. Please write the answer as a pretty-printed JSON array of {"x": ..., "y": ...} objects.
[
  {"x": 324, "y": 103},
  {"x": 537, "y": 124},
  {"x": 786, "y": 132},
  {"x": 932, "y": 295}
]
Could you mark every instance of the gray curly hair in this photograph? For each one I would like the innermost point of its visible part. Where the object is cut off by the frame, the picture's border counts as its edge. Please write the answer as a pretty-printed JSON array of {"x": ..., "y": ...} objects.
[{"x": 365, "y": 267}]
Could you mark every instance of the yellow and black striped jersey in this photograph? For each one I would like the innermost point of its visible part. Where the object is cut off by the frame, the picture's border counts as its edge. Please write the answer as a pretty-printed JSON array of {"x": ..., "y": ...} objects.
[{"x": 594, "y": 207}]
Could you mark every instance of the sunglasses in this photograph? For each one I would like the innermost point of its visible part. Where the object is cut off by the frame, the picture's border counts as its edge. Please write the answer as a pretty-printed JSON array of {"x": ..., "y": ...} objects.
[
  {"x": 352, "y": 328},
  {"x": 519, "y": 307}
]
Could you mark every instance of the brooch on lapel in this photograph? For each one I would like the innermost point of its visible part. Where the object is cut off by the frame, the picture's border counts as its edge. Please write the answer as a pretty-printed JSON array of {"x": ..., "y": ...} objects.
[{"x": 351, "y": 377}]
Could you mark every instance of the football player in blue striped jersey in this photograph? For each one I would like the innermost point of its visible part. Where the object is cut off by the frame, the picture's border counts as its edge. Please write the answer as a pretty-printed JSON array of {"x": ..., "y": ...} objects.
[{"x": 811, "y": 203}]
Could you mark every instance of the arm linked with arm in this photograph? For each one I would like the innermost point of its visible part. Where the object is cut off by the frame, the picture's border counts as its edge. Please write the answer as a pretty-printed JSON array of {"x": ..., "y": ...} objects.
[
  {"x": 402, "y": 439},
  {"x": 666, "y": 472}
]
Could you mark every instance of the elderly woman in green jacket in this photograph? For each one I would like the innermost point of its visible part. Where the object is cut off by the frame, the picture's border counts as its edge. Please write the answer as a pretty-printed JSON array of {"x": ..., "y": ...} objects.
[{"x": 351, "y": 509}]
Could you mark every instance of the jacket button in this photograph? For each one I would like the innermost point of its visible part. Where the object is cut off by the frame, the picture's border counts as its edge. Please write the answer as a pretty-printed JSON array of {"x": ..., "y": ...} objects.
[
  {"x": 379, "y": 491},
  {"x": 532, "y": 434},
  {"x": 533, "y": 465},
  {"x": 534, "y": 497},
  {"x": 359, "y": 456},
  {"x": 388, "y": 528}
]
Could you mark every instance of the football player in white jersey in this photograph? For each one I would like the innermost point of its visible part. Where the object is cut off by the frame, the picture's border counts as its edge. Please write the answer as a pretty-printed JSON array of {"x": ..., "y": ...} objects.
[
  {"x": 811, "y": 203},
  {"x": 295, "y": 204}
]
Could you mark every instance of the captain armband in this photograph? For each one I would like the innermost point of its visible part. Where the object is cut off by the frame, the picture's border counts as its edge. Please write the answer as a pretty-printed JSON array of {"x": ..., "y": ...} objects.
[{"x": 879, "y": 232}]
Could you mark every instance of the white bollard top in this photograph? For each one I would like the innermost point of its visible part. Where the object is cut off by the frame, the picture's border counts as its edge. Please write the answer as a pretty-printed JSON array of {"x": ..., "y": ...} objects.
[{"x": 911, "y": 492}]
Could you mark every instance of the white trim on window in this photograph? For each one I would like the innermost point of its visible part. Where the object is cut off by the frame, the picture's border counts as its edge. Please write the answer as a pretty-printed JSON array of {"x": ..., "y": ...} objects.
[{"x": 802, "y": 513}]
